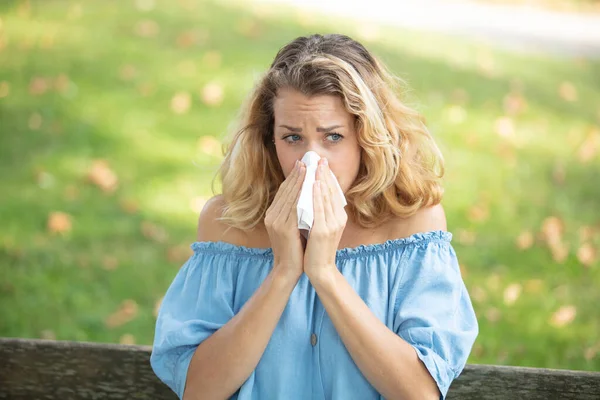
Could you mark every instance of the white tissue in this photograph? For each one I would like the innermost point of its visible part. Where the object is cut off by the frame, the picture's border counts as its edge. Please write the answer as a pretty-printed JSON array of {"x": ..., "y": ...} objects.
[{"x": 305, "y": 209}]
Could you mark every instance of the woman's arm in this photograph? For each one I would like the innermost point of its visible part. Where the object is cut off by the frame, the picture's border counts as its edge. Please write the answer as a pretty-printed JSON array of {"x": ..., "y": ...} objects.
[{"x": 224, "y": 361}]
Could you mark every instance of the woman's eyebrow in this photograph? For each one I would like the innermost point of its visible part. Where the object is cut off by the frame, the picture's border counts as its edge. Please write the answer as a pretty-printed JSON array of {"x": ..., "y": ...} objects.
[{"x": 319, "y": 129}]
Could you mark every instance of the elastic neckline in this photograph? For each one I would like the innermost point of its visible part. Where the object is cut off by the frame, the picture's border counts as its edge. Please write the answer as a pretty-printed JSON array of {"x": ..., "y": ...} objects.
[{"x": 416, "y": 239}]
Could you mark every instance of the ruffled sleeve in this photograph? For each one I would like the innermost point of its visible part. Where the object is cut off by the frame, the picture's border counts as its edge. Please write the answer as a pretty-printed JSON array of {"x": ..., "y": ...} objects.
[
  {"x": 434, "y": 313},
  {"x": 198, "y": 303}
]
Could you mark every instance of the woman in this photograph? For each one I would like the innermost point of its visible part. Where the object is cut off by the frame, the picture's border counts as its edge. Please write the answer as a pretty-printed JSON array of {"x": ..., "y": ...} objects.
[{"x": 373, "y": 304}]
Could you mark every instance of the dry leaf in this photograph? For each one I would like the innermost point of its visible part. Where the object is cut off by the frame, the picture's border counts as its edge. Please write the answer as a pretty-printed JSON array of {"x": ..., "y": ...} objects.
[
  {"x": 35, "y": 121},
  {"x": 210, "y": 145},
  {"x": 130, "y": 206},
  {"x": 181, "y": 102},
  {"x": 110, "y": 263},
  {"x": 525, "y": 240},
  {"x": 71, "y": 193},
  {"x": 212, "y": 94},
  {"x": 492, "y": 314},
  {"x": 4, "y": 89},
  {"x": 512, "y": 293},
  {"x": 147, "y": 28},
  {"x": 38, "y": 86},
  {"x": 102, "y": 176},
  {"x": 534, "y": 286},
  {"x": 563, "y": 316},
  {"x": 127, "y": 311},
  {"x": 466, "y": 237},
  {"x": 145, "y": 5},
  {"x": 197, "y": 204},
  {"x": 157, "y": 307},
  {"x": 179, "y": 254},
  {"x": 456, "y": 114},
  {"x": 552, "y": 229},
  {"x": 590, "y": 147},
  {"x": 567, "y": 91},
  {"x": 59, "y": 222},
  {"x": 153, "y": 232},
  {"x": 479, "y": 213},
  {"x": 212, "y": 59},
  {"x": 48, "y": 334},
  {"x": 559, "y": 174},
  {"x": 587, "y": 255},
  {"x": 514, "y": 104},
  {"x": 127, "y": 72},
  {"x": 504, "y": 127},
  {"x": 479, "y": 294},
  {"x": 127, "y": 338}
]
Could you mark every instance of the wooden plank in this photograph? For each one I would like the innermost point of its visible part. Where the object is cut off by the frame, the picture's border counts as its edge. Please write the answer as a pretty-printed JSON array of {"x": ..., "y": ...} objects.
[
  {"x": 495, "y": 382},
  {"x": 42, "y": 369}
]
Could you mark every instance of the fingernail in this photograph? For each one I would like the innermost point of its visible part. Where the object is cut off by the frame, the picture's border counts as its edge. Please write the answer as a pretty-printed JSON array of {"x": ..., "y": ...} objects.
[
  {"x": 325, "y": 162},
  {"x": 296, "y": 164}
]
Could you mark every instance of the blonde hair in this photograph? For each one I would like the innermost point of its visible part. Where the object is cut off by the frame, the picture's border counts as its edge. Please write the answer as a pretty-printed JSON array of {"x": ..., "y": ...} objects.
[{"x": 401, "y": 165}]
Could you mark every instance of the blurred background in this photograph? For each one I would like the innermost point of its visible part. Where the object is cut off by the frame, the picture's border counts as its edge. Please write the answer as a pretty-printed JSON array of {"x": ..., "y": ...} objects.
[{"x": 112, "y": 115}]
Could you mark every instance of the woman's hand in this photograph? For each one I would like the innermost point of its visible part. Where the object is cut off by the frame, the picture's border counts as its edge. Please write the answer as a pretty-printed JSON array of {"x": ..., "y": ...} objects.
[
  {"x": 328, "y": 226},
  {"x": 281, "y": 221}
]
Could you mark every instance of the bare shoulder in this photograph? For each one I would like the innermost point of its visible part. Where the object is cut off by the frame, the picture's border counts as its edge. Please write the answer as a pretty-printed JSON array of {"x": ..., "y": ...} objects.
[
  {"x": 210, "y": 229},
  {"x": 425, "y": 220}
]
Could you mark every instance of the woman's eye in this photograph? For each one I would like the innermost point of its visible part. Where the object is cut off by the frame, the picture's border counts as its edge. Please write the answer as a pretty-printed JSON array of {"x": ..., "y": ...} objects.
[
  {"x": 336, "y": 136},
  {"x": 291, "y": 136}
]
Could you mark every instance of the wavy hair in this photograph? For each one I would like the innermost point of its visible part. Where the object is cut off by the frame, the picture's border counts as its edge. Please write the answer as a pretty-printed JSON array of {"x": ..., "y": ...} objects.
[{"x": 401, "y": 165}]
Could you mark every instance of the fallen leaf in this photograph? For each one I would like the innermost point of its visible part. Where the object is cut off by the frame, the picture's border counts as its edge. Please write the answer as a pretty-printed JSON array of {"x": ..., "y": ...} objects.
[
  {"x": 127, "y": 311},
  {"x": 179, "y": 254},
  {"x": 154, "y": 232},
  {"x": 48, "y": 334},
  {"x": 512, "y": 293},
  {"x": 127, "y": 72},
  {"x": 492, "y": 314},
  {"x": 145, "y": 5},
  {"x": 212, "y": 94},
  {"x": 525, "y": 240},
  {"x": 110, "y": 263},
  {"x": 479, "y": 213},
  {"x": 127, "y": 338},
  {"x": 559, "y": 173},
  {"x": 552, "y": 229},
  {"x": 563, "y": 316},
  {"x": 587, "y": 255},
  {"x": 181, "y": 102},
  {"x": 101, "y": 175},
  {"x": 197, "y": 204},
  {"x": 35, "y": 121},
  {"x": 130, "y": 206},
  {"x": 456, "y": 114},
  {"x": 38, "y": 86},
  {"x": 59, "y": 223},
  {"x": 147, "y": 28},
  {"x": 505, "y": 127},
  {"x": 479, "y": 294},
  {"x": 534, "y": 286},
  {"x": 210, "y": 145},
  {"x": 212, "y": 59},
  {"x": 465, "y": 237},
  {"x": 4, "y": 89},
  {"x": 567, "y": 91},
  {"x": 514, "y": 103},
  {"x": 157, "y": 307},
  {"x": 588, "y": 150}
]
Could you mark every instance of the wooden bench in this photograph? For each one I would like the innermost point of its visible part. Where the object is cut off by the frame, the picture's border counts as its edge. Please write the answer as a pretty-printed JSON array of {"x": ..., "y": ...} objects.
[{"x": 42, "y": 369}]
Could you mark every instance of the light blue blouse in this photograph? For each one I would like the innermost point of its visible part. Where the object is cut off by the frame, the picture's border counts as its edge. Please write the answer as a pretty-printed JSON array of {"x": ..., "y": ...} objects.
[{"x": 413, "y": 285}]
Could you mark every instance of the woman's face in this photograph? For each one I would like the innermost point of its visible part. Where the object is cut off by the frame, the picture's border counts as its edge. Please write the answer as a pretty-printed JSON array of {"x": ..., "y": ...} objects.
[{"x": 321, "y": 124}]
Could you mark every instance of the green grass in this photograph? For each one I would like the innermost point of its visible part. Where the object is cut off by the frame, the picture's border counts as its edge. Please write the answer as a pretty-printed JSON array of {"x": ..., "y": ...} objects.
[{"x": 129, "y": 244}]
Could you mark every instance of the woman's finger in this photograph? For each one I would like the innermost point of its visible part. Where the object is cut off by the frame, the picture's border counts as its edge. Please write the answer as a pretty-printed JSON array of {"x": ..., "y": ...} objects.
[
  {"x": 283, "y": 192},
  {"x": 295, "y": 195}
]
